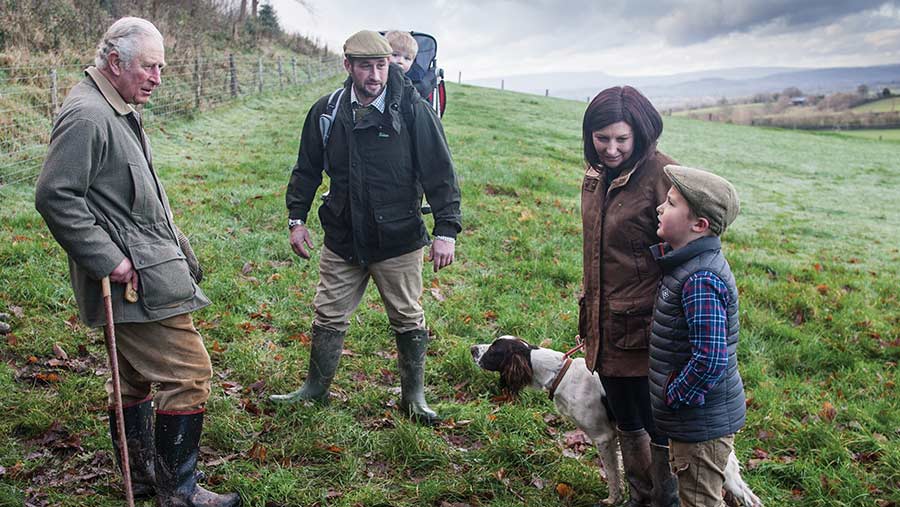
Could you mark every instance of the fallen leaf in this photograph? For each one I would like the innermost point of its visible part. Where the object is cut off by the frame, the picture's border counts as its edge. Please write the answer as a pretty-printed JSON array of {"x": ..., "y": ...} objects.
[
  {"x": 258, "y": 453},
  {"x": 828, "y": 411},
  {"x": 303, "y": 338},
  {"x": 247, "y": 268},
  {"x": 490, "y": 315},
  {"x": 817, "y": 267},
  {"x": 274, "y": 278},
  {"x": 17, "y": 311},
  {"x": 436, "y": 293},
  {"x": 11, "y": 340},
  {"x": 822, "y": 288},
  {"x": 59, "y": 352},
  {"x": 216, "y": 347},
  {"x": 564, "y": 490}
]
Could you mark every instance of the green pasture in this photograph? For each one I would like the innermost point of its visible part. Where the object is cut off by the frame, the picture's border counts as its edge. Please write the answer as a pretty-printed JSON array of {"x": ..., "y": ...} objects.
[
  {"x": 815, "y": 251},
  {"x": 879, "y": 106},
  {"x": 885, "y": 135}
]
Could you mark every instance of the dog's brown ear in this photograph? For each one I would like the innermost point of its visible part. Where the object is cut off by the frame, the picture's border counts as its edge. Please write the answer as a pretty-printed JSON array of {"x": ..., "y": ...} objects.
[{"x": 516, "y": 373}]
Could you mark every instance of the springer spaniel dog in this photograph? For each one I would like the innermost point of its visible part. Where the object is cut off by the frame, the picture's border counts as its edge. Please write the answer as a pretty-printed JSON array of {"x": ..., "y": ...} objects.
[{"x": 579, "y": 396}]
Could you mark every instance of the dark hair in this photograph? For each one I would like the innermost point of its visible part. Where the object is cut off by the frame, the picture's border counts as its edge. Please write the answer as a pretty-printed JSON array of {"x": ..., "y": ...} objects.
[{"x": 621, "y": 103}]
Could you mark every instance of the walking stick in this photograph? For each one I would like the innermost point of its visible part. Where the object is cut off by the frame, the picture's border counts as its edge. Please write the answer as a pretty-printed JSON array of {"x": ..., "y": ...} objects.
[{"x": 110, "y": 332}]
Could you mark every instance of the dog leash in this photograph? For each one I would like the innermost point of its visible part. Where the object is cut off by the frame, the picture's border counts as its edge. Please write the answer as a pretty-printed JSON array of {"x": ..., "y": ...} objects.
[{"x": 565, "y": 367}]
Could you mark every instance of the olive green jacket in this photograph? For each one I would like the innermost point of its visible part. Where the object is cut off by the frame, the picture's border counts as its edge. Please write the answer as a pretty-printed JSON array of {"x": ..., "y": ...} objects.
[{"x": 103, "y": 202}]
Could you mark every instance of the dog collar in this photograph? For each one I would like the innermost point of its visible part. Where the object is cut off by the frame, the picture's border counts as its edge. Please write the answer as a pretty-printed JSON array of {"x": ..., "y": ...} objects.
[{"x": 559, "y": 377}]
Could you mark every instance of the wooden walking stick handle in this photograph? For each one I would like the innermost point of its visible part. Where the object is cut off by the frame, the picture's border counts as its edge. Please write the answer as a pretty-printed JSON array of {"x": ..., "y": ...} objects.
[{"x": 110, "y": 333}]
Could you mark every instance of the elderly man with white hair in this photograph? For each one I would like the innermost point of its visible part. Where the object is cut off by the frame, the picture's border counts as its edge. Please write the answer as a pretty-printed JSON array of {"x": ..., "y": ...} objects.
[{"x": 103, "y": 202}]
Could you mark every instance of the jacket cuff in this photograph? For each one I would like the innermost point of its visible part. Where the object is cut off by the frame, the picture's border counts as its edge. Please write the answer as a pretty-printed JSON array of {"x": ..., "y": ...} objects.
[
  {"x": 445, "y": 229},
  {"x": 102, "y": 264},
  {"x": 298, "y": 214}
]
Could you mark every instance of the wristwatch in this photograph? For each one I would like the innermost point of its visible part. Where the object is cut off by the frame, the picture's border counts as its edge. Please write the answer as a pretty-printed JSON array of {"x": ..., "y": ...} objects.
[{"x": 292, "y": 222}]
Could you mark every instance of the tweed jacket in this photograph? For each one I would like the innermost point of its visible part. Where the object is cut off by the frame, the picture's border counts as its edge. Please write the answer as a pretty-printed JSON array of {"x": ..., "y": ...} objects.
[
  {"x": 620, "y": 276},
  {"x": 102, "y": 200}
]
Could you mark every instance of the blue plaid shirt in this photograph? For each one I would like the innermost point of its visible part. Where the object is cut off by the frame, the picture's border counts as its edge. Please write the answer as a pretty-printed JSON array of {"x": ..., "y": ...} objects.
[{"x": 704, "y": 300}]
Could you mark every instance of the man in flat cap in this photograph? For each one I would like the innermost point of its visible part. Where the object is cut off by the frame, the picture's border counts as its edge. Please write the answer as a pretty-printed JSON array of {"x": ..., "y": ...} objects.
[
  {"x": 384, "y": 148},
  {"x": 102, "y": 200}
]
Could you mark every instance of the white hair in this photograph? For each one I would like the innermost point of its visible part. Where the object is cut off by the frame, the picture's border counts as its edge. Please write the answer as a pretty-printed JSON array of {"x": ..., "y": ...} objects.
[{"x": 124, "y": 37}]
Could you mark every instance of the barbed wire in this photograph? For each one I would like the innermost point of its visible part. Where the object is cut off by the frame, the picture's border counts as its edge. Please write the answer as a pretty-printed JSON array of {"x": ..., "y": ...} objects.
[{"x": 30, "y": 97}]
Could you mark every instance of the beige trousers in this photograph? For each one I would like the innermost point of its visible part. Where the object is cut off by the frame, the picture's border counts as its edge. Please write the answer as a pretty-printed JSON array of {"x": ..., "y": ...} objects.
[
  {"x": 342, "y": 285},
  {"x": 700, "y": 467},
  {"x": 169, "y": 353}
]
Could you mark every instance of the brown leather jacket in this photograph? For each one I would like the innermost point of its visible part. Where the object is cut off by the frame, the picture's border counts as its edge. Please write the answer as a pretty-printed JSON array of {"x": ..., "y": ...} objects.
[{"x": 620, "y": 276}]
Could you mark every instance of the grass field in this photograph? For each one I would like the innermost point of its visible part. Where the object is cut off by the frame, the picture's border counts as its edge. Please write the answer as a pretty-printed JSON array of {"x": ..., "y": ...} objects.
[
  {"x": 815, "y": 252},
  {"x": 883, "y": 105},
  {"x": 887, "y": 135}
]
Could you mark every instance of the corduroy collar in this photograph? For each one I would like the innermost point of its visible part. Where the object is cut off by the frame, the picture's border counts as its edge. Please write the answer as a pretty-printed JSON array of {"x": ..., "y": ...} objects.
[{"x": 108, "y": 91}]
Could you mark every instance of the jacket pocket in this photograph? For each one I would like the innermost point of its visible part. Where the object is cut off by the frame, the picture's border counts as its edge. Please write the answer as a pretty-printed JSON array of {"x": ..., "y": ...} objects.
[
  {"x": 164, "y": 279},
  {"x": 398, "y": 225},
  {"x": 330, "y": 216},
  {"x": 630, "y": 324}
]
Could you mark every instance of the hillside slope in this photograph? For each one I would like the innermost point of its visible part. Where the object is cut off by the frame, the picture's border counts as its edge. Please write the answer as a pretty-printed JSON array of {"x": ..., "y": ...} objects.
[{"x": 815, "y": 251}]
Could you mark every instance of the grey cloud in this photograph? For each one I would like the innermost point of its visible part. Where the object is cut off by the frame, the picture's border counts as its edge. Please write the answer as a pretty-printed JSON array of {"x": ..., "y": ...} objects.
[{"x": 701, "y": 20}]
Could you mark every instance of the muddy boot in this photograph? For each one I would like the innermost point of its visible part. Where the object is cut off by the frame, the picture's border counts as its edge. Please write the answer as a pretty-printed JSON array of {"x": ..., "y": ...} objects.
[
  {"x": 139, "y": 439},
  {"x": 635, "y": 447},
  {"x": 177, "y": 450},
  {"x": 411, "y": 347},
  {"x": 327, "y": 345},
  {"x": 665, "y": 484}
]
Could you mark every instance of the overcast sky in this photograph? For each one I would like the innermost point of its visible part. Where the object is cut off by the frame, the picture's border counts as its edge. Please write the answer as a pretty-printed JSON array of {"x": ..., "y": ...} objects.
[{"x": 496, "y": 38}]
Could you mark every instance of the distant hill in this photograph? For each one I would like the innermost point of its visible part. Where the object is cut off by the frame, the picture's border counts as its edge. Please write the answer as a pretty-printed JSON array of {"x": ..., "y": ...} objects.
[{"x": 705, "y": 87}]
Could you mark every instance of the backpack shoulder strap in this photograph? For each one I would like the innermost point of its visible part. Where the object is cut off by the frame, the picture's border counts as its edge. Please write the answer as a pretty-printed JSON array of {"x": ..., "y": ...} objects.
[{"x": 326, "y": 119}]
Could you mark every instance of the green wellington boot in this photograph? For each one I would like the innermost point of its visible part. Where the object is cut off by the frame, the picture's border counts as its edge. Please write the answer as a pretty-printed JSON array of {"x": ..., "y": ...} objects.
[
  {"x": 139, "y": 439},
  {"x": 177, "y": 450},
  {"x": 411, "y": 348},
  {"x": 327, "y": 345}
]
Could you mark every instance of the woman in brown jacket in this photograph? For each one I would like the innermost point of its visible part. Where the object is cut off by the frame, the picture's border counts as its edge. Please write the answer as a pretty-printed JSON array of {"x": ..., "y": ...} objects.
[{"x": 623, "y": 184}]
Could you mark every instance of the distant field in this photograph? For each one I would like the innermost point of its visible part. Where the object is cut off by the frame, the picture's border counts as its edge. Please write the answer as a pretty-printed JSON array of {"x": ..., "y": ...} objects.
[
  {"x": 720, "y": 109},
  {"x": 879, "y": 106},
  {"x": 876, "y": 134}
]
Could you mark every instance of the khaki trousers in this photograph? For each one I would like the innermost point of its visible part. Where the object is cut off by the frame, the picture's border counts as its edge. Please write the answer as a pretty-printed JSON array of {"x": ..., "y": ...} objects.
[
  {"x": 342, "y": 285},
  {"x": 700, "y": 467},
  {"x": 169, "y": 353}
]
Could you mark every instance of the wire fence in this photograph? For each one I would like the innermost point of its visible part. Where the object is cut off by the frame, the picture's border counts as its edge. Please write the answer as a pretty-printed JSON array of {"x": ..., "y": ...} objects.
[{"x": 30, "y": 97}]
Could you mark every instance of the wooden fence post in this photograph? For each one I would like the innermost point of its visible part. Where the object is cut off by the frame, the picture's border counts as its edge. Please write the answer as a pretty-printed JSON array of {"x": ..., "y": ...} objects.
[
  {"x": 54, "y": 92},
  {"x": 280, "y": 76},
  {"x": 198, "y": 91},
  {"x": 459, "y": 78},
  {"x": 502, "y": 84},
  {"x": 259, "y": 74},
  {"x": 546, "y": 92},
  {"x": 233, "y": 70},
  {"x": 294, "y": 69}
]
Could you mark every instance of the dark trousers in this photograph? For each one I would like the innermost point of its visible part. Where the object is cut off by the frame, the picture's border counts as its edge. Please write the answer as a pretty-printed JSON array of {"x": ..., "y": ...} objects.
[{"x": 629, "y": 399}]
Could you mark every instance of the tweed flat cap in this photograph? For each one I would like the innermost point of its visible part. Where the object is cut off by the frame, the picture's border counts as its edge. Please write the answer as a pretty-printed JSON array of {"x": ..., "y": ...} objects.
[
  {"x": 710, "y": 196},
  {"x": 367, "y": 44}
]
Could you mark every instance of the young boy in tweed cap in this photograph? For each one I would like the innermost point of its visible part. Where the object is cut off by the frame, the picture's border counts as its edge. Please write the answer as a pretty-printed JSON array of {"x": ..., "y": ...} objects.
[{"x": 696, "y": 390}]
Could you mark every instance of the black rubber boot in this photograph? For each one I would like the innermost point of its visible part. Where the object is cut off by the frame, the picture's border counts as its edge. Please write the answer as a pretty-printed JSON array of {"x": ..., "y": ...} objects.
[
  {"x": 177, "y": 451},
  {"x": 665, "y": 484},
  {"x": 635, "y": 447},
  {"x": 411, "y": 348},
  {"x": 327, "y": 345},
  {"x": 139, "y": 439}
]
